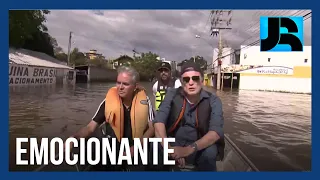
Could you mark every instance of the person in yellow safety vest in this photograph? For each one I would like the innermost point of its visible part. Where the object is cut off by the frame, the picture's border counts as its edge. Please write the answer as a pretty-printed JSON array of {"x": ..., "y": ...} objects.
[{"x": 164, "y": 82}]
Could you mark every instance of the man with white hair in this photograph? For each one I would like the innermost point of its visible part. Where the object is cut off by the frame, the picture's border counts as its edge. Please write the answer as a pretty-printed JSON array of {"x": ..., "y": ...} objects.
[{"x": 124, "y": 103}]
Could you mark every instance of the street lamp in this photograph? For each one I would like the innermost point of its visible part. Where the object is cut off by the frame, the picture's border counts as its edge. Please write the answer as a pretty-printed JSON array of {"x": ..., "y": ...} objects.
[{"x": 197, "y": 37}]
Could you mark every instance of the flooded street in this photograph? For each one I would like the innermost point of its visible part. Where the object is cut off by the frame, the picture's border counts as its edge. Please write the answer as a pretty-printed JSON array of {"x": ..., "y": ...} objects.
[{"x": 272, "y": 129}]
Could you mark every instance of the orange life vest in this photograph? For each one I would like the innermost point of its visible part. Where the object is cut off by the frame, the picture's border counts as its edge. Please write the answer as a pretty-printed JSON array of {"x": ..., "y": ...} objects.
[{"x": 114, "y": 113}]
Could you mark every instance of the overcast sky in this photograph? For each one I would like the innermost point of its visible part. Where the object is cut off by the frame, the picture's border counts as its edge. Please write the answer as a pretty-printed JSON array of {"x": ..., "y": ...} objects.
[{"x": 169, "y": 33}]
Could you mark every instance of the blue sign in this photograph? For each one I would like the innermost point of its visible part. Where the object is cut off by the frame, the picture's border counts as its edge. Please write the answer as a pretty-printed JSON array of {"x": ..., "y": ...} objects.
[{"x": 281, "y": 34}]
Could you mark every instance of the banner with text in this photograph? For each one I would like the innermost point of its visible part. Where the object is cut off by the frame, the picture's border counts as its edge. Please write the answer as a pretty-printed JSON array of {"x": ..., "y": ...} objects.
[
  {"x": 23, "y": 75},
  {"x": 275, "y": 70}
]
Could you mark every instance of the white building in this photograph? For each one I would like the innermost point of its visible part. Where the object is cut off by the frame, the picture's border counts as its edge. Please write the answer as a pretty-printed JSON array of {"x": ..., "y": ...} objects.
[
  {"x": 228, "y": 58},
  {"x": 278, "y": 71},
  {"x": 34, "y": 68}
]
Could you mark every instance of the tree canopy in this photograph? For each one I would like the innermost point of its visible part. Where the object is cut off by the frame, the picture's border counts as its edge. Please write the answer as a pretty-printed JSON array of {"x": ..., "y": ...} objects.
[
  {"x": 27, "y": 30},
  {"x": 197, "y": 59},
  {"x": 146, "y": 64}
]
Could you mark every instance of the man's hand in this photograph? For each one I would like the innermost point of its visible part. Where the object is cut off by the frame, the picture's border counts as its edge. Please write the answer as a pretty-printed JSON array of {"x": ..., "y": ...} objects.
[
  {"x": 181, "y": 152},
  {"x": 181, "y": 162}
]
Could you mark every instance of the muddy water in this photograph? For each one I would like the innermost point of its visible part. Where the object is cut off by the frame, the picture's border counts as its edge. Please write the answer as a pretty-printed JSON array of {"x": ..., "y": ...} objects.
[{"x": 272, "y": 129}]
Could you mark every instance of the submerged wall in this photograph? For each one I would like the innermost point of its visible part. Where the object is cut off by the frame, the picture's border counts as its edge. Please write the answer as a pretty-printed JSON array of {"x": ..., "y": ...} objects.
[{"x": 96, "y": 74}]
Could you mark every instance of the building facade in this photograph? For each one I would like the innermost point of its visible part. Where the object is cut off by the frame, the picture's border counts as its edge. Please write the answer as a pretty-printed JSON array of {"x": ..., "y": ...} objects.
[
  {"x": 121, "y": 61},
  {"x": 275, "y": 71},
  {"x": 92, "y": 54},
  {"x": 228, "y": 55},
  {"x": 34, "y": 68}
]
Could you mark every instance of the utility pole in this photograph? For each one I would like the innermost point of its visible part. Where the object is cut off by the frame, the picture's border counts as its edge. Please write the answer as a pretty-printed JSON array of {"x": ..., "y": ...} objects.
[
  {"x": 220, "y": 20},
  {"x": 194, "y": 58},
  {"x": 135, "y": 52},
  {"x": 69, "y": 47},
  {"x": 219, "y": 61}
]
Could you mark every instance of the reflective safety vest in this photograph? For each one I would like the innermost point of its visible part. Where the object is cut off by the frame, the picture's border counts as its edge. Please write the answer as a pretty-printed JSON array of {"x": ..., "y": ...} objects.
[
  {"x": 161, "y": 92},
  {"x": 159, "y": 98}
]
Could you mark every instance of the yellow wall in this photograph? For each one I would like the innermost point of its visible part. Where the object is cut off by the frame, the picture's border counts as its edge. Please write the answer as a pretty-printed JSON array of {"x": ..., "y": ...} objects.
[
  {"x": 92, "y": 56},
  {"x": 298, "y": 80},
  {"x": 298, "y": 72},
  {"x": 207, "y": 80}
]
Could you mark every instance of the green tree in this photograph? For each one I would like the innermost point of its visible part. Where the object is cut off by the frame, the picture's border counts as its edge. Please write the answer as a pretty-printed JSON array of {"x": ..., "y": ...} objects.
[
  {"x": 201, "y": 61},
  {"x": 197, "y": 59},
  {"x": 27, "y": 30},
  {"x": 41, "y": 42},
  {"x": 62, "y": 56},
  {"x": 77, "y": 57},
  {"x": 100, "y": 62},
  {"x": 146, "y": 65},
  {"x": 24, "y": 24},
  {"x": 56, "y": 48}
]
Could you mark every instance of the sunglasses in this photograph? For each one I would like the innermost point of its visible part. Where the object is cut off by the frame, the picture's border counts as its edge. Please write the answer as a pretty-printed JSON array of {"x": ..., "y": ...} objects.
[{"x": 194, "y": 78}]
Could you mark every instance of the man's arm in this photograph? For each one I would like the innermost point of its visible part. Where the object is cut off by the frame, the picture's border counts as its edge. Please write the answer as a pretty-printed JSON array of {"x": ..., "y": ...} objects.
[
  {"x": 162, "y": 115},
  {"x": 150, "y": 131},
  {"x": 154, "y": 88},
  {"x": 97, "y": 119},
  {"x": 215, "y": 125}
]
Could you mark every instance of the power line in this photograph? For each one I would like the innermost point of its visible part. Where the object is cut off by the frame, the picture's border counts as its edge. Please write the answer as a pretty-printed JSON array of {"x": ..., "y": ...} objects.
[
  {"x": 277, "y": 13},
  {"x": 256, "y": 15},
  {"x": 217, "y": 19},
  {"x": 255, "y": 42},
  {"x": 298, "y": 13}
]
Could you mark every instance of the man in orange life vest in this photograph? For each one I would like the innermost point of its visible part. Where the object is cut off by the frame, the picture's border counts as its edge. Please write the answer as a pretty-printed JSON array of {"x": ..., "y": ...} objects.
[
  {"x": 194, "y": 117},
  {"x": 127, "y": 100}
]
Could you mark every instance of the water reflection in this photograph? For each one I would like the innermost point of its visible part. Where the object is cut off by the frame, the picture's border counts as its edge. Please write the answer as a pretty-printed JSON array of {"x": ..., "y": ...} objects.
[{"x": 273, "y": 129}]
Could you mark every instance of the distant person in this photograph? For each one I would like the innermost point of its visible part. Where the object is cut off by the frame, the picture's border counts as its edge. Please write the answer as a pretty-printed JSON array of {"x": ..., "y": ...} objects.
[
  {"x": 194, "y": 117},
  {"x": 164, "y": 81},
  {"x": 126, "y": 102}
]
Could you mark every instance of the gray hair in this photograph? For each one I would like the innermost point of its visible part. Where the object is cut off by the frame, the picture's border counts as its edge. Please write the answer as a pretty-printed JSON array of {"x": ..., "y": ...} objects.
[{"x": 131, "y": 71}]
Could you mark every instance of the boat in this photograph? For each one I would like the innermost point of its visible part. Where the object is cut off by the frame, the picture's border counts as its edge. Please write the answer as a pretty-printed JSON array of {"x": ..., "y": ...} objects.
[{"x": 234, "y": 159}]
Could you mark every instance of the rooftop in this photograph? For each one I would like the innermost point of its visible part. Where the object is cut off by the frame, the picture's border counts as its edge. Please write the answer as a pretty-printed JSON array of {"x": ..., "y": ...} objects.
[
  {"x": 33, "y": 58},
  {"x": 124, "y": 57}
]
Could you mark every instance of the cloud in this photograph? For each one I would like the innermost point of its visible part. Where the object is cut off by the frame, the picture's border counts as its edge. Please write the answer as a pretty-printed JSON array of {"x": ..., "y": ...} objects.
[{"x": 170, "y": 33}]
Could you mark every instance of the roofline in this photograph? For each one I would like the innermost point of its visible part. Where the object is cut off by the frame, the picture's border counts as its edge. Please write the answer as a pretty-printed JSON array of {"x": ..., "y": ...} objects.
[
  {"x": 26, "y": 63},
  {"x": 13, "y": 63},
  {"x": 82, "y": 66}
]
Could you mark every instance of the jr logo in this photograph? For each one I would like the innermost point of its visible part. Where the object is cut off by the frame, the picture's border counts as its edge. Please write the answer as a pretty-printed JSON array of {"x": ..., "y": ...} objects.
[{"x": 282, "y": 34}]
